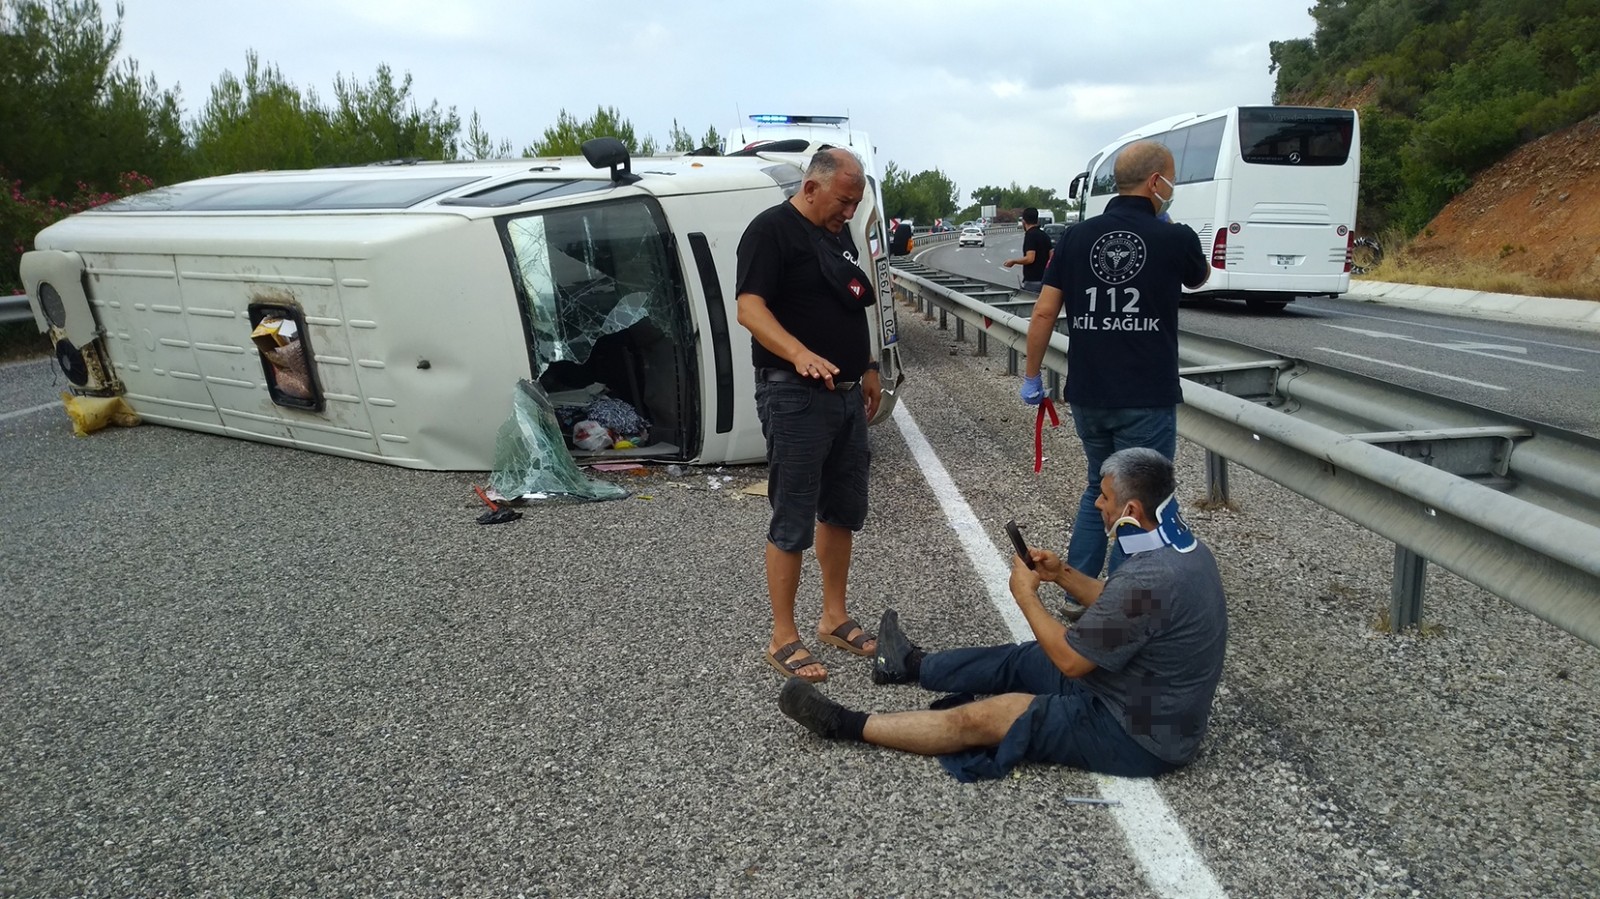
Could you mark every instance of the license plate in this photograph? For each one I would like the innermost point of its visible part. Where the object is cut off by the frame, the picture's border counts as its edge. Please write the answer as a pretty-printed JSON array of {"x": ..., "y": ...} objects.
[{"x": 1284, "y": 260}]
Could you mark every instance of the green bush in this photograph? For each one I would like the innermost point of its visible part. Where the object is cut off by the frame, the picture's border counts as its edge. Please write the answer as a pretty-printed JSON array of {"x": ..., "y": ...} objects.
[
  {"x": 23, "y": 215},
  {"x": 1459, "y": 84}
]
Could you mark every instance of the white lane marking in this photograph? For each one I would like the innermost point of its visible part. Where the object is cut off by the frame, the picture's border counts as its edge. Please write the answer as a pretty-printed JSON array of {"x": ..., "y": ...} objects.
[
  {"x": 1415, "y": 324},
  {"x": 1159, "y": 844},
  {"x": 1476, "y": 349},
  {"x": 1420, "y": 371},
  {"x": 6, "y": 416},
  {"x": 992, "y": 568},
  {"x": 1171, "y": 866}
]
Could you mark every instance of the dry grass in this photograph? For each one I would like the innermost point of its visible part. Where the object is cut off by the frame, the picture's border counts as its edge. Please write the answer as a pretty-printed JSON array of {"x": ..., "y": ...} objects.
[{"x": 1402, "y": 265}]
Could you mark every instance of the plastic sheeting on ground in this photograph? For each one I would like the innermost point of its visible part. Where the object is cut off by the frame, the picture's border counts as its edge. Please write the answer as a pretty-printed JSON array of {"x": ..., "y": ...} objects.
[{"x": 531, "y": 456}]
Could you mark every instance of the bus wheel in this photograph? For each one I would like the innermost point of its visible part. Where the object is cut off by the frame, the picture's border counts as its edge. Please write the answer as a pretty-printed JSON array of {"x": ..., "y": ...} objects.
[{"x": 1366, "y": 254}]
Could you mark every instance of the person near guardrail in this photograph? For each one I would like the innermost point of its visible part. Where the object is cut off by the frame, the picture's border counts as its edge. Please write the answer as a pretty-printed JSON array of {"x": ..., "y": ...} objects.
[
  {"x": 1035, "y": 251},
  {"x": 1120, "y": 275},
  {"x": 1126, "y": 690},
  {"x": 901, "y": 239},
  {"x": 805, "y": 300}
]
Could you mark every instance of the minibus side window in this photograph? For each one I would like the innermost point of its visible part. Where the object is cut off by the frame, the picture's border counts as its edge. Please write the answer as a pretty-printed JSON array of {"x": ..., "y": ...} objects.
[{"x": 279, "y": 332}]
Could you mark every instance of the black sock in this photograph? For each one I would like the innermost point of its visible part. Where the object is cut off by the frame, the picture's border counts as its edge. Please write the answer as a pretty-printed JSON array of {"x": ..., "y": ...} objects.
[
  {"x": 849, "y": 725},
  {"x": 914, "y": 664}
]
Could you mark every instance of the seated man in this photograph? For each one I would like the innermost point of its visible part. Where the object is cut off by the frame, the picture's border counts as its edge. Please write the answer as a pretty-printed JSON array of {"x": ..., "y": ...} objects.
[{"x": 1126, "y": 690}]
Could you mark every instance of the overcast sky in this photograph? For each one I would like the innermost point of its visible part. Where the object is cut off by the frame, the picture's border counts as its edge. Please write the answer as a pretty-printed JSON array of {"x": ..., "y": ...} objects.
[{"x": 989, "y": 93}]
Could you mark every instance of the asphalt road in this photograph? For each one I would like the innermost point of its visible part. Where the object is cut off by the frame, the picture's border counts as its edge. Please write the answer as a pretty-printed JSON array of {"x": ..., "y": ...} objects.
[
  {"x": 234, "y": 669},
  {"x": 1535, "y": 372}
]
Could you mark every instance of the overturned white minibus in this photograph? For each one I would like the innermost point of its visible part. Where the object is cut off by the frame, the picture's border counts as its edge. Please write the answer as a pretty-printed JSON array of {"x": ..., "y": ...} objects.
[{"x": 389, "y": 312}]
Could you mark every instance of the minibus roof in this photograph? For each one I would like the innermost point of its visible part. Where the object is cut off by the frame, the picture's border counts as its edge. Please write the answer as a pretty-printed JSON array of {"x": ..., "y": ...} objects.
[{"x": 469, "y": 189}]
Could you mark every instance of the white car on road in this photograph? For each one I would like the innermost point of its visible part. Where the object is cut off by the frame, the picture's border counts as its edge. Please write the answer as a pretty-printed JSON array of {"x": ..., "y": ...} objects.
[{"x": 970, "y": 237}]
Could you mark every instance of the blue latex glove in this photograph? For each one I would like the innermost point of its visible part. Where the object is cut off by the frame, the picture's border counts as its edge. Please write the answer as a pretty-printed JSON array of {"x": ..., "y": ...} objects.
[{"x": 1032, "y": 389}]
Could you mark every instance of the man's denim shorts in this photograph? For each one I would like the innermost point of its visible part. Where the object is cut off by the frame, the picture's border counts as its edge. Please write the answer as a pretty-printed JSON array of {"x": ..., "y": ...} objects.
[{"x": 817, "y": 459}]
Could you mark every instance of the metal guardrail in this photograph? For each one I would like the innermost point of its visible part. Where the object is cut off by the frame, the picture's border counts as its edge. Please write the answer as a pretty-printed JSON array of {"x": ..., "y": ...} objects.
[
  {"x": 1508, "y": 505},
  {"x": 15, "y": 309}
]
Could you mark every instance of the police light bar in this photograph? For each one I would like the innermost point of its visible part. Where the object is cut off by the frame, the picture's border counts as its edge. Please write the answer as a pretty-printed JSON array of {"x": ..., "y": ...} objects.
[{"x": 773, "y": 119}]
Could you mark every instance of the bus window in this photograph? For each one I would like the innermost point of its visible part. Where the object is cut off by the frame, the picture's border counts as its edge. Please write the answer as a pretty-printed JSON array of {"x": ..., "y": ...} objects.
[
  {"x": 1105, "y": 177},
  {"x": 1199, "y": 161},
  {"x": 1174, "y": 142},
  {"x": 1271, "y": 135}
]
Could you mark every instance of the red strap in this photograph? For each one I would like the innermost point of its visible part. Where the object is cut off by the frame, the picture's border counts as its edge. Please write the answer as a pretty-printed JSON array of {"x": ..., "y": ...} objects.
[{"x": 1045, "y": 406}]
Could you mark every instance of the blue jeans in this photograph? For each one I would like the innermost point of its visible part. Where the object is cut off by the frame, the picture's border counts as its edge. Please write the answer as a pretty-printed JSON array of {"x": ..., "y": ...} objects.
[
  {"x": 1103, "y": 432},
  {"x": 1066, "y": 724}
]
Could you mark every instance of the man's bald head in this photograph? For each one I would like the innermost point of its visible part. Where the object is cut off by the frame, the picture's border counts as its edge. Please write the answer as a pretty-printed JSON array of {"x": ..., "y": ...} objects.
[
  {"x": 834, "y": 185},
  {"x": 833, "y": 162},
  {"x": 1138, "y": 162}
]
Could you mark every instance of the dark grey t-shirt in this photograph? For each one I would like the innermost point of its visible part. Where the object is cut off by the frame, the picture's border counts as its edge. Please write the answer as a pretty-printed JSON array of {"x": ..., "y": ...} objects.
[{"x": 1157, "y": 633}]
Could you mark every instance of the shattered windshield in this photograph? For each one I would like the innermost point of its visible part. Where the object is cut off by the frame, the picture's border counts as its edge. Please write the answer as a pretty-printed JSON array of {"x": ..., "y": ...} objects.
[{"x": 588, "y": 271}]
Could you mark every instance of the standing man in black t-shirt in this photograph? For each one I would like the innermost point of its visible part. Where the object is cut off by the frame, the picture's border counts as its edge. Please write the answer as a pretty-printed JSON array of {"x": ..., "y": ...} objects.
[
  {"x": 1121, "y": 275},
  {"x": 804, "y": 299},
  {"x": 1035, "y": 251}
]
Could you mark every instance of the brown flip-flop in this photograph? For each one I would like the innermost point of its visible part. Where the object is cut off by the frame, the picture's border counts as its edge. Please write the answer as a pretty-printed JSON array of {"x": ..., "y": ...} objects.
[
  {"x": 784, "y": 659},
  {"x": 858, "y": 646}
]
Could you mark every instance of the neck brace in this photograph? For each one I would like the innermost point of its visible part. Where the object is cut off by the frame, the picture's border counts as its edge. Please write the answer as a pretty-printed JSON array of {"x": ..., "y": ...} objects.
[{"x": 1170, "y": 530}]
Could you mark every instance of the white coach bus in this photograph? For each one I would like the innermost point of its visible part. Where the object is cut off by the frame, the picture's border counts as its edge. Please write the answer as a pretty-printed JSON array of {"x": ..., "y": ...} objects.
[
  {"x": 1271, "y": 190},
  {"x": 389, "y": 312}
]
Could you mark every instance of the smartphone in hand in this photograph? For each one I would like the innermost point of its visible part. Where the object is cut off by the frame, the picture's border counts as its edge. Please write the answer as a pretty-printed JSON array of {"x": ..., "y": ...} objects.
[{"x": 1019, "y": 543}]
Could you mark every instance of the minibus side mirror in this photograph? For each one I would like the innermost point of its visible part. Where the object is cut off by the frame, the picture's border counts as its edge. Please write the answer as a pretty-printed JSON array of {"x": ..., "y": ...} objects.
[
  {"x": 608, "y": 152},
  {"x": 1077, "y": 183}
]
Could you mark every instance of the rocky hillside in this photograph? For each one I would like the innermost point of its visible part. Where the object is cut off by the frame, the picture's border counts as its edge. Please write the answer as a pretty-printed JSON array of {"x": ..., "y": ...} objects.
[{"x": 1536, "y": 212}]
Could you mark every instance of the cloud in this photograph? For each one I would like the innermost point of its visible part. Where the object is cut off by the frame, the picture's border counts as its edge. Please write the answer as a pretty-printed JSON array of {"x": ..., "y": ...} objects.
[{"x": 988, "y": 93}]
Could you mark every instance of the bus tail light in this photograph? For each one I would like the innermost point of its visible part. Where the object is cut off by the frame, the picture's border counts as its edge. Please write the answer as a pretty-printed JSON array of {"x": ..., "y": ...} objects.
[
  {"x": 1349, "y": 250},
  {"x": 1219, "y": 249}
]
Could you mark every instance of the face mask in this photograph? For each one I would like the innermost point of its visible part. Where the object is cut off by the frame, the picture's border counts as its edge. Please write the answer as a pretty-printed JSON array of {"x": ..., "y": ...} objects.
[{"x": 1167, "y": 203}]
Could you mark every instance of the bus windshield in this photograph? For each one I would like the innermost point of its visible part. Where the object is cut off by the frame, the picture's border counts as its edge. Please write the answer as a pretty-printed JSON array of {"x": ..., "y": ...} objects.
[{"x": 1287, "y": 135}]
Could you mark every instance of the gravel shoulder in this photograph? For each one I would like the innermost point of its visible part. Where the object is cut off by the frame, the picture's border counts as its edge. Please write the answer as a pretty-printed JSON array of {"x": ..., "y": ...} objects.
[{"x": 237, "y": 669}]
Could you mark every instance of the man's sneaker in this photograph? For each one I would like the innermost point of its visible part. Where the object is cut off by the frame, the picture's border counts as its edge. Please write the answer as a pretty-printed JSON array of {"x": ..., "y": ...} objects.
[
  {"x": 804, "y": 703},
  {"x": 893, "y": 664}
]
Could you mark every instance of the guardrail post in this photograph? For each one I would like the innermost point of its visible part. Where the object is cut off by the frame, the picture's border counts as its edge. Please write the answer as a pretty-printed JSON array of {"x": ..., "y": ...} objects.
[
  {"x": 1216, "y": 479},
  {"x": 1011, "y": 360},
  {"x": 1405, "y": 594},
  {"x": 961, "y": 330},
  {"x": 983, "y": 343}
]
